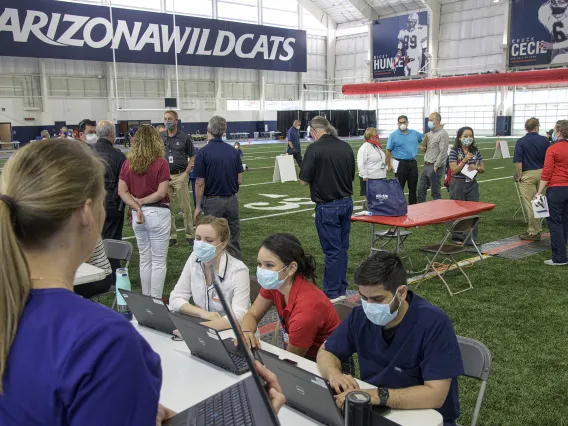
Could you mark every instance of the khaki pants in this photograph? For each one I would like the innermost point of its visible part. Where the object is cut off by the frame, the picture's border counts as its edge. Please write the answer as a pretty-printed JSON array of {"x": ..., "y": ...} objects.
[
  {"x": 528, "y": 185},
  {"x": 179, "y": 184}
]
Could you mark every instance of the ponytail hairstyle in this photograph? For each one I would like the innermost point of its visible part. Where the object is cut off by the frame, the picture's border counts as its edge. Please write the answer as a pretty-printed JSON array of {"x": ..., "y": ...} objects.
[
  {"x": 289, "y": 249},
  {"x": 458, "y": 144},
  {"x": 41, "y": 187},
  {"x": 322, "y": 124}
]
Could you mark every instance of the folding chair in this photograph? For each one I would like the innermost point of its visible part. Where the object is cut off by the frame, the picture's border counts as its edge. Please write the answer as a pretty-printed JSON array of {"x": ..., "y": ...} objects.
[
  {"x": 117, "y": 250},
  {"x": 464, "y": 226},
  {"x": 476, "y": 360},
  {"x": 344, "y": 308},
  {"x": 254, "y": 289},
  {"x": 397, "y": 235},
  {"x": 522, "y": 207}
]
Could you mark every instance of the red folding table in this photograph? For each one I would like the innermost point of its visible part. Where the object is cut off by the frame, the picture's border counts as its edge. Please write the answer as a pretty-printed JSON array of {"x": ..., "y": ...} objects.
[{"x": 425, "y": 214}]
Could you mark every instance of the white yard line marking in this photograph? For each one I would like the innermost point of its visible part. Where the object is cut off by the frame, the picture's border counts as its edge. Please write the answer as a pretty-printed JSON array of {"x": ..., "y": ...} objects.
[{"x": 497, "y": 168}]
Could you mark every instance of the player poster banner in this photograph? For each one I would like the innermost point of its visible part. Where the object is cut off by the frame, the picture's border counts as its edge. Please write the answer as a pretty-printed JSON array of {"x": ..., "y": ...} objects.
[
  {"x": 64, "y": 30},
  {"x": 538, "y": 33},
  {"x": 400, "y": 45}
]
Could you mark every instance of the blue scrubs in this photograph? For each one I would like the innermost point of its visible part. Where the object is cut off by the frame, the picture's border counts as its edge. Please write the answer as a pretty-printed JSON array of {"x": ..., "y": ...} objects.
[
  {"x": 75, "y": 362},
  {"x": 424, "y": 348}
]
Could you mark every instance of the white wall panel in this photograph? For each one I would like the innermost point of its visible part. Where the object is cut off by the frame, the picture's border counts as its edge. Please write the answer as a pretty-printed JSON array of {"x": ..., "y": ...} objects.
[
  {"x": 74, "y": 68},
  {"x": 239, "y": 75},
  {"x": 351, "y": 61},
  {"x": 195, "y": 73},
  {"x": 15, "y": 65},
  {"x": 471, "y": 35}
]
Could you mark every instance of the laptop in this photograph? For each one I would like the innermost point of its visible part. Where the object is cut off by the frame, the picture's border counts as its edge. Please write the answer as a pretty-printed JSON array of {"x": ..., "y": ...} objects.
[
  {"x": 245, "y": 403},
  {"x": 150, "y": 312},
  {"x": 205, "y": 343},
  {"x": 311, "y": 395}
]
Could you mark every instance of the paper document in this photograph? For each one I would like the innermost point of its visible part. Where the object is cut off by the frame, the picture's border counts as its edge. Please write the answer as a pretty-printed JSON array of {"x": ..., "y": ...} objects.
[
  {"x": 394, "y": 164},
  {"x": 540, "y": 207},
  {"x": 470, "y": 174}
]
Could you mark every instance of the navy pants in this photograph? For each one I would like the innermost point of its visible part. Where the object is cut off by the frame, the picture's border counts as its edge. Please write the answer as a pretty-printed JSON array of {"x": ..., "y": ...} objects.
[
  {"x": 557, "y": 198},
  {"x": 333, "y": 223}
]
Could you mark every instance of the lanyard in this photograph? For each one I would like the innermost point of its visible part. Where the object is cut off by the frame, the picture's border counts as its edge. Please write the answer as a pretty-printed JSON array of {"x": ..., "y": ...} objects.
[{"x": 210, "y": 292}]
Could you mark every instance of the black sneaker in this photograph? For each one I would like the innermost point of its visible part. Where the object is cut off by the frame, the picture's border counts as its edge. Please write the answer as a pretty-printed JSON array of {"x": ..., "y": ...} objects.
[
  {"x": 190, "y": 241},
  {"x": 173, "y": 243}
]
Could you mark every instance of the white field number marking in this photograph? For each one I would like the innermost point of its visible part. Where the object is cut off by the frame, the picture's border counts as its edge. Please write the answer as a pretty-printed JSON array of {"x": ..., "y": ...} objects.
[{"x": 282, "y": 205}]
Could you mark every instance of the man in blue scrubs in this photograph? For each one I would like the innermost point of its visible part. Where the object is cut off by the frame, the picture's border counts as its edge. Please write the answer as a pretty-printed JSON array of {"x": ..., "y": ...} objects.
[
  {"x": 406, "y": 346},
  {"x": 403, "y": 147}
]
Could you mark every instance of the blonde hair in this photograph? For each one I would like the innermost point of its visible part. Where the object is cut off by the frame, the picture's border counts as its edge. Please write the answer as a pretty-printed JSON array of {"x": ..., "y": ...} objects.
[
  {"x": 147, "y": 147},
  {"x": 220, "y": 225},
  {"x": 41, "y": 186},
  {"x": 370, "y": 132}
]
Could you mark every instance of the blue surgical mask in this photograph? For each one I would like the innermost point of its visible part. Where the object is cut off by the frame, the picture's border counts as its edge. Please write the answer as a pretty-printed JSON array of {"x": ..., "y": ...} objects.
[
  {"x": 204, "y": 251},
  {"x": 430, "y": 125},
  {"x": 379, "y": 313},
  {"x": 467, "y": 141},
  {"x": 169, "y": 125},
  {"x": 554, "y": 137},
  {"x": 268, "y": 280}
]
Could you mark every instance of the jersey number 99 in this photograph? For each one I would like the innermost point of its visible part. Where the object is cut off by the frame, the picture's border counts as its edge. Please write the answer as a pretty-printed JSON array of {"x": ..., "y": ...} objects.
[{"x": 412, "y": 41}]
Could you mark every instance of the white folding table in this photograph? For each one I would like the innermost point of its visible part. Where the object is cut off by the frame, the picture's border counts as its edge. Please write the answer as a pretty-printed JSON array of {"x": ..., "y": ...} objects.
[
  {"x": 88, "y": 274},
  {"x": 187, "y": 380}
]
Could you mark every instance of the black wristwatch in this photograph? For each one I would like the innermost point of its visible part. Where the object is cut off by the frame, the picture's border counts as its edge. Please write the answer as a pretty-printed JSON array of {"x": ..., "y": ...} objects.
[{"x": 383, "y": 396}]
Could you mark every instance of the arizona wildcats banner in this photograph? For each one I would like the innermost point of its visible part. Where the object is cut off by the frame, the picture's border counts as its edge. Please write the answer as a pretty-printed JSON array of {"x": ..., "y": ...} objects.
[
  {"x": 538, "y": 33},
  {"x": 399, "y": 45},
  {"x": 63, "y": 30}
]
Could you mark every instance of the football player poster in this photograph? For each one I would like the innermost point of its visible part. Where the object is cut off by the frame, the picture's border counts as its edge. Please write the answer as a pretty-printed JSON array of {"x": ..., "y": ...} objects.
[
  {"x": 538, "y": 33},
  {"x": 400, "y": 45}
]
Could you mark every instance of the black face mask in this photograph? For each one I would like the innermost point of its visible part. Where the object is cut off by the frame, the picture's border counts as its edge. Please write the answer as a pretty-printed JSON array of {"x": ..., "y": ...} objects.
[{"x": 558, "y": 10}]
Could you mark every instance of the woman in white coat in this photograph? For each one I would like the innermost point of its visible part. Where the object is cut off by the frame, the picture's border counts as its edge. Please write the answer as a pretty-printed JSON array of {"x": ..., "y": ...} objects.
[
  {"x": 371, "y": 160},
  {"x": 212, "y": 236}
]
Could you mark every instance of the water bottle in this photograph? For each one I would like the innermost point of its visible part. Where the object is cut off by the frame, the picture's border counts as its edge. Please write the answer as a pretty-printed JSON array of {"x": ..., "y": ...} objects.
[
  {"x": 357, "y": 409},
  {"x": 123, "y": 283}
]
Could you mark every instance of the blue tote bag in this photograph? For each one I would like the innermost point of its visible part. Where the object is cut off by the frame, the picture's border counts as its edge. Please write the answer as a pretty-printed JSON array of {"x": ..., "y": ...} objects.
[{"x": 386, "y": 198}]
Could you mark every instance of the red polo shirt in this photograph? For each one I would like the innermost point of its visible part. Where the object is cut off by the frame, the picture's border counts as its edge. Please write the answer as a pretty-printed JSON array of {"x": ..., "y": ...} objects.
[
  {"x": 555, "y": 170},
  {"x": 308, "y": 319}
]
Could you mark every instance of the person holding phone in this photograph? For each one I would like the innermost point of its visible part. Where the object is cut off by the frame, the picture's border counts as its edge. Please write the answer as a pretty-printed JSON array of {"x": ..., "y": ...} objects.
[
  {"x": 465, "y": 156},
  {"x": 212, "y": 236},
  {"x": 287, "y": 277}
]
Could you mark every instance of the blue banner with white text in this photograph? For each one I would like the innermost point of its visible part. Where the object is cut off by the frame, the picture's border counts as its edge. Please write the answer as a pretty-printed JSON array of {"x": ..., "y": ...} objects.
[
  {"x": 400, "y": 45},
  {"x": 64, "y": 30},
  {"x": 538, "y": 33}
]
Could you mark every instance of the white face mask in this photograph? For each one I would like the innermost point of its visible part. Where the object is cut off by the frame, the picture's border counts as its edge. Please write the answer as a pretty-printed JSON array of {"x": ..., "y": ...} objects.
[
  {"x": 91, "y": 138},
  {"x": 403, "y": 127}
]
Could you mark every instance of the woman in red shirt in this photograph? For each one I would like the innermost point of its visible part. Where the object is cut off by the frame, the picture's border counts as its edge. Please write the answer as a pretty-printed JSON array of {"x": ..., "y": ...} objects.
[
  {"x": 287, "y": 277},
  {"x": 555, "y": 176},
  {"x": 143, "y": 185}
]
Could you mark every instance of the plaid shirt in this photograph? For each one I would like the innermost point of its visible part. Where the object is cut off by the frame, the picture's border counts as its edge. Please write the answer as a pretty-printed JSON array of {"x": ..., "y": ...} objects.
[{"x": 294, "y": 137}]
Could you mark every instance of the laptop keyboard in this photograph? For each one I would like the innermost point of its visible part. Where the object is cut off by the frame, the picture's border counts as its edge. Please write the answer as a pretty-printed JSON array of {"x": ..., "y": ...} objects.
[
  {"x": 239, "y": 360},
  {"x": 228, "y": 408}
]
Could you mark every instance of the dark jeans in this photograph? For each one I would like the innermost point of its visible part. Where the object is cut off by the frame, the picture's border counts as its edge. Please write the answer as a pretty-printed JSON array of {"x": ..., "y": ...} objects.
[
  {"x": 333, "y": 223},
  {"x": 114, "y": 222},
  {"x": 298, "y": 157},
  {"x": 464, "y": 191},
  {"x": 408, "y": 172},
  {"x": 430, "y": 179},
  {"x": 557, "y": 198},
  {"x": 228, "y": 208}
]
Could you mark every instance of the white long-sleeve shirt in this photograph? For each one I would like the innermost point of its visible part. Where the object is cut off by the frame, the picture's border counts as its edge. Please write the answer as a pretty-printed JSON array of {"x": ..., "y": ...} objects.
[
  {"x": 235, "y": 281},
  {"x": 371, "y": 161}
]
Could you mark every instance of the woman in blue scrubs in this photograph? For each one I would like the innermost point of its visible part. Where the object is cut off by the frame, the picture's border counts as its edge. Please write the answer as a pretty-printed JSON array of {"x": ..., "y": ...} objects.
[
  {"x": 406, "y": 346},
  {"x": 65, "y": 360}
]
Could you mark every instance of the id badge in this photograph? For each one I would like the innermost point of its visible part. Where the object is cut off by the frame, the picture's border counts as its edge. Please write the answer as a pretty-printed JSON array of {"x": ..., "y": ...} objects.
[
  {"x": 285, "y": 338},
  {"x": 467, "y": 180},
  {"x": 171, "y": 159}
]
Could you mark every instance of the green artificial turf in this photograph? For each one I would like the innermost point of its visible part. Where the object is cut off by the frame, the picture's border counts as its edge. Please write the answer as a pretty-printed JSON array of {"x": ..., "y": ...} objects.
[{"x": 516, "y": 308}]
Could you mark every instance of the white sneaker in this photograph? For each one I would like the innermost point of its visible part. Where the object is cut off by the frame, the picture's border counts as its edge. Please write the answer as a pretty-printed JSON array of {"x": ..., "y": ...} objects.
[
  {"x": 337, "y": 299},
  {"x": 551, "y": 263}
]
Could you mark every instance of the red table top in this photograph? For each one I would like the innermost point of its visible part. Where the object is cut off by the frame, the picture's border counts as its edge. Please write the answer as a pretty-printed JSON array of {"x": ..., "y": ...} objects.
[{"x": 429, "y": 213}]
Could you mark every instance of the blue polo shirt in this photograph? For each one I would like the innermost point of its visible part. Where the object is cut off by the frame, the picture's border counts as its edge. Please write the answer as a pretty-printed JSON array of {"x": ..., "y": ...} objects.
[
  {"x": 219, "y": 164},
  {"x": 531, "y": 150},
  {"x": 424, "y": 348},
  {"x": 404, "y": 146}
]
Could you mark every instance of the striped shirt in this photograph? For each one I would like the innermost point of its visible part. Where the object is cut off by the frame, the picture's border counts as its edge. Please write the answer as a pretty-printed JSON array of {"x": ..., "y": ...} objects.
[
  {"x": 457, "y": 155},
  {"x": 100, "y": 259}
]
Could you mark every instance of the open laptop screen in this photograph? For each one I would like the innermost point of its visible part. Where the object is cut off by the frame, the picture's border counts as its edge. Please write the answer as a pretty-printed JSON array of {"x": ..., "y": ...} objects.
[{"x": 241, "y": 342}]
